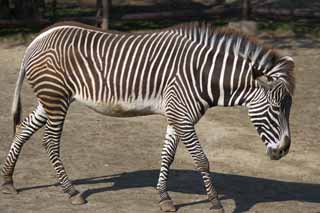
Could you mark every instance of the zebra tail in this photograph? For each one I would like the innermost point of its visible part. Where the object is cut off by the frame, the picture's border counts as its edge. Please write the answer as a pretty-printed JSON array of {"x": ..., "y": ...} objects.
[{"x": 16, "y": 104}]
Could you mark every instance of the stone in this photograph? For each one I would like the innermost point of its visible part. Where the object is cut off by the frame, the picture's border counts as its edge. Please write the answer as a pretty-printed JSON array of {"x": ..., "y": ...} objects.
[{"x": 247, "y": 27}]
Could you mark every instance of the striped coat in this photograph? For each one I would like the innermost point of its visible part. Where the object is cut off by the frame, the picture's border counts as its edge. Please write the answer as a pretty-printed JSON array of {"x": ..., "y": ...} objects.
[{"x": 177, "y": 72}]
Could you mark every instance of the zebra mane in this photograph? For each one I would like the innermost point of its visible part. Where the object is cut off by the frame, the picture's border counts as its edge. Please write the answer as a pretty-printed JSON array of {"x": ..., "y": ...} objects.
[{"x": 266, "y": 60}]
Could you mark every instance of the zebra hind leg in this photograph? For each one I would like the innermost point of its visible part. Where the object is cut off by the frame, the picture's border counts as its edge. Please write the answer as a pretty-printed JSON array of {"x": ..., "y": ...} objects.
[
  {"x": 24, "y": 131},
  {"x": 51, "y": 142},
  {"x": 167, "y": 157}
]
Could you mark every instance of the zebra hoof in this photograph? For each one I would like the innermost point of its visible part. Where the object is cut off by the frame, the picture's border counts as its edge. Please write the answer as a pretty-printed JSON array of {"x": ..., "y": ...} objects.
[
  {"x": 221, "y": 210},
  {"x": 167, "y": 206},
  {"x": 8, "y": 189},
  {"x": 217, "y": 206},
  {"x": 77, "y": 199}
]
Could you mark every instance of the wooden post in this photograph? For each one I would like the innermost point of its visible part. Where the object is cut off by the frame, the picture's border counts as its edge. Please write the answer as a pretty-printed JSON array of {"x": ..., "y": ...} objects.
[
  {"x": 245, "y": 9},
  {"x": 105, "y": 15},
  {"x": 98, "y": 15}
]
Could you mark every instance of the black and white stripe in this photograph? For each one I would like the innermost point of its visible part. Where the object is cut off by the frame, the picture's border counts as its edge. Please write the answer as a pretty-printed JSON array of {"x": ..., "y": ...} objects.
[{"x": 177, "y": 72}]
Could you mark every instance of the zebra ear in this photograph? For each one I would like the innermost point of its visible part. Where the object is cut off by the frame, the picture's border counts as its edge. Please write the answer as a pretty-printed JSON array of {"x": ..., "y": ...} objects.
[{"x": 265, "y": 82}]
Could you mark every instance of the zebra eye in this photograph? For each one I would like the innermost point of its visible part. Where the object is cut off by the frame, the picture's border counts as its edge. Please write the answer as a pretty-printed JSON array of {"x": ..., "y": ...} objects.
[{"x": 269, "y": 78}]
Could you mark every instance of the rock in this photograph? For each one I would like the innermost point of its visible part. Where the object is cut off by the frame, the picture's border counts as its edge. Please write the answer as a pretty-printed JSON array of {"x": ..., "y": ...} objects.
[{"x": 247, "y": 27}]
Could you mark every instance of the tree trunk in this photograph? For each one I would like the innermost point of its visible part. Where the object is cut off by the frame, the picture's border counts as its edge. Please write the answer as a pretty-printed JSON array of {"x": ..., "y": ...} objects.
[
  {"x": 245, "y": 9},
  {"x": 105, "y": 14},
  {"x": 98, "y": 15},
  {"x": 4, "y": 9}
]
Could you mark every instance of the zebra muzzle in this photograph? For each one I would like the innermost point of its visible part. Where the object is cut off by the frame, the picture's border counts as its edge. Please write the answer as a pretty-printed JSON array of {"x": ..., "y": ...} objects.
[
  {"x": 274, "y": 154},
  {"x": 285, "y": 145}
]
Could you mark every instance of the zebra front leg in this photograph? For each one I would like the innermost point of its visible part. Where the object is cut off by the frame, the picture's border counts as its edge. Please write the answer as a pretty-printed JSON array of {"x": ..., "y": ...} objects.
[
  {"x": 51, "y": 142},
  {"x": 167, "y": 157},
  {"x": 190, "y": 140},
  {"x": 24, "y": 131}
]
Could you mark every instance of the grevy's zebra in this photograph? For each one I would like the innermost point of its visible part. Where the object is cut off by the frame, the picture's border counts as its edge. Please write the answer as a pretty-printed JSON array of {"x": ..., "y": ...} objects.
[{"x": 177, "y": 72}]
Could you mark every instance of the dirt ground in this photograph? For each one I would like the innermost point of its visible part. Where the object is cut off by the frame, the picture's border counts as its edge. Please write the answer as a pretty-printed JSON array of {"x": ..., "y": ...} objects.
[{"x": 115, "y": 162}]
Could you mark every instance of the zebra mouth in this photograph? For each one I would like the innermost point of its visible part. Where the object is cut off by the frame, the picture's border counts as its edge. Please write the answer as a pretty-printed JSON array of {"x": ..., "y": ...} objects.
[{"x": 277, "y": 151}]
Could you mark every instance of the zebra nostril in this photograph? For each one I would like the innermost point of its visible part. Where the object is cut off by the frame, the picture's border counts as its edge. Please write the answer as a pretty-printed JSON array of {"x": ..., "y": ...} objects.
[
  {"x": 274, "y": 154},
  {"x": 285, "y": 143}
]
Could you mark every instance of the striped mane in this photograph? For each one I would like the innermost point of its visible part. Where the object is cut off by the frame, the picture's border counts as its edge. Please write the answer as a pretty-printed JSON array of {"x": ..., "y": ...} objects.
[{"x": 266, "y": 60}]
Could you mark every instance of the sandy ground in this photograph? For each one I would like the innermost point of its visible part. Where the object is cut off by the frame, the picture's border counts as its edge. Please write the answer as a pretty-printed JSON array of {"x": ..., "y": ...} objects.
[{"x": 115, "y": 162}]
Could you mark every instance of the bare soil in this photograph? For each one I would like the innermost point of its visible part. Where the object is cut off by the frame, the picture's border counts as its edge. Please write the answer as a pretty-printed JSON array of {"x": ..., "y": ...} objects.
[{"x": 115, "y": 162}]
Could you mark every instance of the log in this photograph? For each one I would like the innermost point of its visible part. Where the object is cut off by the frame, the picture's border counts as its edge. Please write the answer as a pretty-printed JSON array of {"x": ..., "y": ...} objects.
[
  {"x": 159, "y": 15},
  {"x": 183, "y": 14}
]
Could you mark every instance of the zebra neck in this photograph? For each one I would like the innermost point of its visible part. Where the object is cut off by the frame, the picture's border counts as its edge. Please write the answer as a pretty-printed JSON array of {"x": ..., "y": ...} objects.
[{"x": 226, "y": 79}]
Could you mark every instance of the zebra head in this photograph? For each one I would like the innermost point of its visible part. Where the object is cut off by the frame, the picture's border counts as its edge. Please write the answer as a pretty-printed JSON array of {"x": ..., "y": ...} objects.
[{"x": 270, "y": 110}]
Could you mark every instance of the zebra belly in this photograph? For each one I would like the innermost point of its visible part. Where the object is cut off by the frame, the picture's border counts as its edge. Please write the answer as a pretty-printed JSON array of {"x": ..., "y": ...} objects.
[{"x": 125, "y": 109}]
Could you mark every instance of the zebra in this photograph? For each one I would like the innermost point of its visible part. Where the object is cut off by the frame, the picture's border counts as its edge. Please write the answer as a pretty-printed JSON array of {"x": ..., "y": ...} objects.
[{"x": 178, "y": 72}]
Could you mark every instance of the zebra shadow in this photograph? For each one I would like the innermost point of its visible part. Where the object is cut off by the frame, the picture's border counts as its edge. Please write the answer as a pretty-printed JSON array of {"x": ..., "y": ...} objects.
[{"x": 245, "y": 191}]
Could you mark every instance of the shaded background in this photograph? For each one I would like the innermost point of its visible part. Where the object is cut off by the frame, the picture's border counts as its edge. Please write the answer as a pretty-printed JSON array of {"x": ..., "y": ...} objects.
[{"x": 298, "y": 16}]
